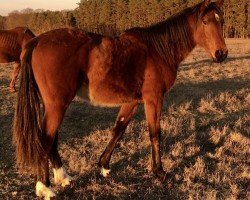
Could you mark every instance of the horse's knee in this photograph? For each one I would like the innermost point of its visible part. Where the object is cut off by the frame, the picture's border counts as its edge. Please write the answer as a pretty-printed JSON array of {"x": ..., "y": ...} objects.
[{"x": 14, "y": 77}]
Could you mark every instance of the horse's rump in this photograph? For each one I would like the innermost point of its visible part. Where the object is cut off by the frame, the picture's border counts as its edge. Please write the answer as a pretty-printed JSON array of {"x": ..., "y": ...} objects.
[{"x": 59, "y": 62}]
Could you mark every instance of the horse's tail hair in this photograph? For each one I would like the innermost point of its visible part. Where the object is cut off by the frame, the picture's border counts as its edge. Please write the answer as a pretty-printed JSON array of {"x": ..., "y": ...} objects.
[{"x": 27, "y": 131}]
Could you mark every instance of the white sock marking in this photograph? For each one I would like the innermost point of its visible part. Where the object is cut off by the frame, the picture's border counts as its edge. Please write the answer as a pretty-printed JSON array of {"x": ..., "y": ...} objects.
[
  {"x": 61, "y": 177},
  {"x": 105, "y": 172},
  {"x": 122, "y": 119},
  {"x": 43, "y": 191}
]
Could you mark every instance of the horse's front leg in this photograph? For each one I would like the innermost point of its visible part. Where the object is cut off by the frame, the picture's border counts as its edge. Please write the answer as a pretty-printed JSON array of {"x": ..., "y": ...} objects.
[
  {"x": 153, "y": 108},
  {"x": 14, "y": 76},
  {"x": 126, "y": 113}
]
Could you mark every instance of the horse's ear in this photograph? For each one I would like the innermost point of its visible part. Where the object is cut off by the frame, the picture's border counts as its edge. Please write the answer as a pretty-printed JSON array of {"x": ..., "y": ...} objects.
[
  {"x": 204, "y": 5},
  {"x": 219, "y": 3}
]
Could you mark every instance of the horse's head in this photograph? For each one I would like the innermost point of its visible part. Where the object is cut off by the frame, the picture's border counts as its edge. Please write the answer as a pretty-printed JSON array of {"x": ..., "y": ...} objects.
[
  {"x": 208, "y": 29},
  {"x": 27, "y": 35}
]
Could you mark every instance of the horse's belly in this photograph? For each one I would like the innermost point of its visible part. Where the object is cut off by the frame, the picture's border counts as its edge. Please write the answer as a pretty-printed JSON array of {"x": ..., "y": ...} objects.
[{"x": 98, "y": 96}]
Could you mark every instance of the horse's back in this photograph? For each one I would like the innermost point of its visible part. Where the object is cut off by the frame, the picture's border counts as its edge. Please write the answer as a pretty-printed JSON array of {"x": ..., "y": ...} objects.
[{"x": 61, "y": 47}]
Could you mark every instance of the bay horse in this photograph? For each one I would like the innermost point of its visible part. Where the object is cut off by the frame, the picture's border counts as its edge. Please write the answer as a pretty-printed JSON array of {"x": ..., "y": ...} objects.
[
  {"x": 139, "y": 66},
  {"x": 11, "y": 43}
]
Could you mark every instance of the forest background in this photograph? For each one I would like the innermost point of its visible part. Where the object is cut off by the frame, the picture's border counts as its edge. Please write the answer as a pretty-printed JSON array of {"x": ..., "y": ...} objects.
[{"x": 111, "y": 17}]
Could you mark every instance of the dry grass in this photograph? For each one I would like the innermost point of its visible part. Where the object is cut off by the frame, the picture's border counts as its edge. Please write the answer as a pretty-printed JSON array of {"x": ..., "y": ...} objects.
[{"x": 205, "y": 139}]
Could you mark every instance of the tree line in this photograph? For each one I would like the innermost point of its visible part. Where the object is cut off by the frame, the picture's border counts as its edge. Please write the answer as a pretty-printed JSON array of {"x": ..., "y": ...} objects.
[{"x": 113, "y": 16}]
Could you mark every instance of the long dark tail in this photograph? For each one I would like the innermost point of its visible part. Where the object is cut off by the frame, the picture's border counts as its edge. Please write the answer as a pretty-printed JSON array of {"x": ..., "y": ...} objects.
[{"x": 27, "y": 131}]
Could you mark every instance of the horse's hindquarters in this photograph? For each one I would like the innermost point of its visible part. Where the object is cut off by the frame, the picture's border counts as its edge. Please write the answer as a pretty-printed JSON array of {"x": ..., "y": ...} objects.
[{"x": 57, "y": 66}]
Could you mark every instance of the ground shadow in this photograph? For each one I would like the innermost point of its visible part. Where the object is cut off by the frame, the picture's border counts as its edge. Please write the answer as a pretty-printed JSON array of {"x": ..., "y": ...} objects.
[
  {"x": 205, "y": 61},
  {"x": 104, "y": 118}
]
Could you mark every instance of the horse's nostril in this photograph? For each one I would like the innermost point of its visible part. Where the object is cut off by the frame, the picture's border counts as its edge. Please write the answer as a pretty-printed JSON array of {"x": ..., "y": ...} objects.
[{"x": 218, "y": 53}]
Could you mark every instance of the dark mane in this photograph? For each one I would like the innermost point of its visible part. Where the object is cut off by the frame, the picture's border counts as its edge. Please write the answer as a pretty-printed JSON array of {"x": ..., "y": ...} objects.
[
  {"x": 171, "y": 39},
  {"x": 29, "y": 33}
]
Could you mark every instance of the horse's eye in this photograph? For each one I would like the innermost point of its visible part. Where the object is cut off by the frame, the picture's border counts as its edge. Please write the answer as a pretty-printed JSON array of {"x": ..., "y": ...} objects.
[{"x": 205, "y": 21}]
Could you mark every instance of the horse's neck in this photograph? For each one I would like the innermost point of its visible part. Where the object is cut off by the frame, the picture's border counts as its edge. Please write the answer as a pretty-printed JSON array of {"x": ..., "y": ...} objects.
[{"x": 177, "y": 39}]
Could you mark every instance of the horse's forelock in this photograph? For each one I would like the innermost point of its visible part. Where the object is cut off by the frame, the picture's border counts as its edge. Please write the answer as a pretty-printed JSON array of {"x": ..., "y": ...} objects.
[{"x": 210, "y": 7}]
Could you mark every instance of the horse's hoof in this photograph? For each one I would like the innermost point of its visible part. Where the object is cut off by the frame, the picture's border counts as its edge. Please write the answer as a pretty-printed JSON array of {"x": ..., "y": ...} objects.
[
  {"x": 12, "y": 90},
  {"x": 66, "y": 181},
  {"x": 105, "y": 172},
  {"x": 61, "y": 177},
  {"x": 161, "y": 175},
  {"x": 44, "y": 191}
]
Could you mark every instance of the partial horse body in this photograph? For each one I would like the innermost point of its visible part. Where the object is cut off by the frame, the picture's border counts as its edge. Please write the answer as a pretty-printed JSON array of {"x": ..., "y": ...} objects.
[
  {"x": 11, "y": 43},
  {"x": 139, "y": 66}
]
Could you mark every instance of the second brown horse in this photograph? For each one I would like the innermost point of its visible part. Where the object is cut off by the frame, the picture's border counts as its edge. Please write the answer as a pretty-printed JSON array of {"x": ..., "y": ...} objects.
[
  {"x": 11, "y": 43},
  {"x": 139, "y": 66}
]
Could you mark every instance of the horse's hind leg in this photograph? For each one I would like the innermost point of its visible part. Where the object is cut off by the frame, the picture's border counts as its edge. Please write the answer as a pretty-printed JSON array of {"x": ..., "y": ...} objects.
[
  {"x": 14, "y": 76},
  {"x": 60, "y": 175},
  {"x": 43, "y": 188},
  {"x": 52, "y": 119},
  {"x": 126, "y": 113}
]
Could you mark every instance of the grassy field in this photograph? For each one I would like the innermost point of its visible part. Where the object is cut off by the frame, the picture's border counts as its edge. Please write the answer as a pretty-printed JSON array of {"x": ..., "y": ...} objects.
[{"x": 205, "y": 139}]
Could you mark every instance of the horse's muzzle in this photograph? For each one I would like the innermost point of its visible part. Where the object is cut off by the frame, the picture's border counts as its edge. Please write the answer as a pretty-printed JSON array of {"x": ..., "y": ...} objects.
[{"x": 220, "y": 56}]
